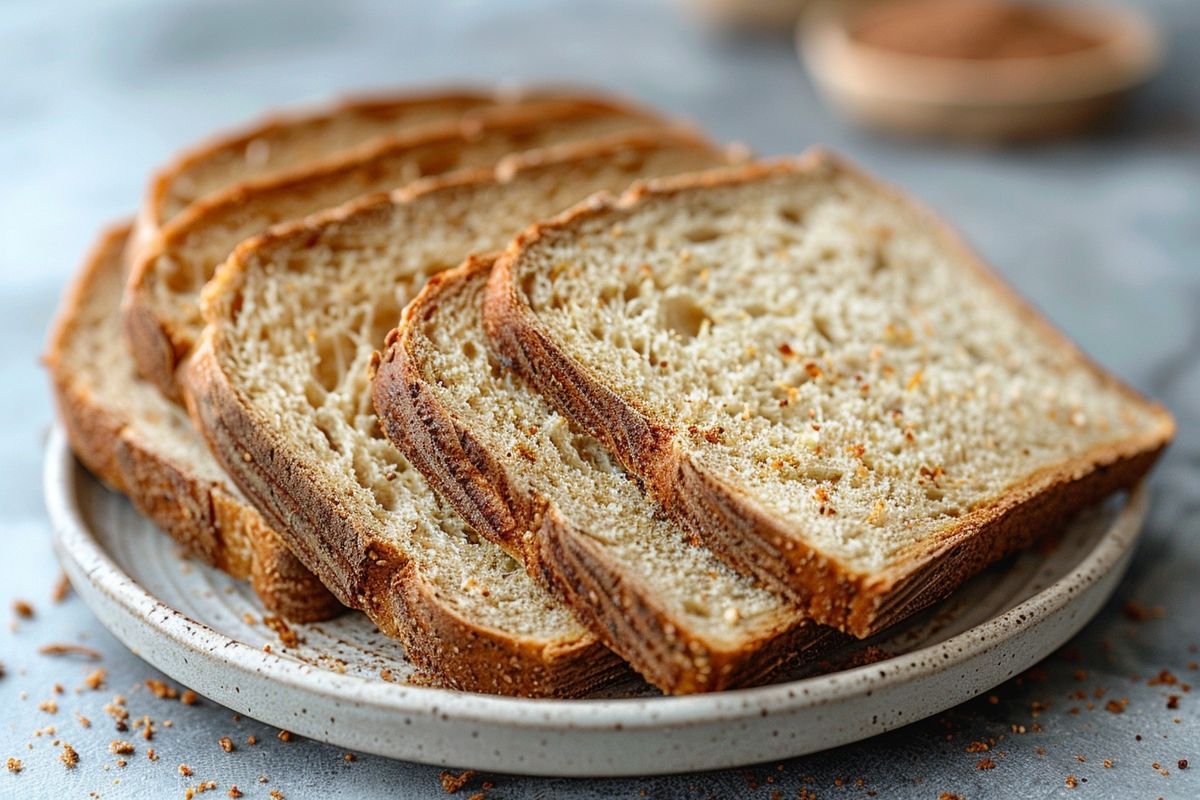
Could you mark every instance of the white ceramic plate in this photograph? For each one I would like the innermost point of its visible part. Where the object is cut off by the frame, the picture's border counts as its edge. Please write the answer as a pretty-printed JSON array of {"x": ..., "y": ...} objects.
[{"x": 190, "y": 622}]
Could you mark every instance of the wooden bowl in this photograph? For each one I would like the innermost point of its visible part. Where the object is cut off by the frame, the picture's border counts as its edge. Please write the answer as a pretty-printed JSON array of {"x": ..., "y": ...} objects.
[{"x": 990, "y": 99}]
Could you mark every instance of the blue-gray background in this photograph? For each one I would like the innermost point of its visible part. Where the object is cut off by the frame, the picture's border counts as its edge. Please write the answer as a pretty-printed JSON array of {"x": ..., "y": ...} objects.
[{"x": 1102, "y": 233}]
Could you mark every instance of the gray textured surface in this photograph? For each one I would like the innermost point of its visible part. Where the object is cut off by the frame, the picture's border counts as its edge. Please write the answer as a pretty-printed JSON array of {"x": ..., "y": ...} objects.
[{"x": 1104, "y": 234}]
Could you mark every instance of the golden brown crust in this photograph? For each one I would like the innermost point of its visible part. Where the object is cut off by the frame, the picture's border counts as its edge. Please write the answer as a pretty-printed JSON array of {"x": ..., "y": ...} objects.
[
  {"x": 727, "y": 518},
  {"x": 615, "y": 606},
  {"x": 160, "y": 342},
  {"x": 233, "y": 144},
  {"x": 336, "y": 543},
  {"x": 212, "y": 524}
]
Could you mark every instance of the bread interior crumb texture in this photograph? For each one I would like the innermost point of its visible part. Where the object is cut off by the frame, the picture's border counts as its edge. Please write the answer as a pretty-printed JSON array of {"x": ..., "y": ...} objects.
[{"x": 818, "y": 343}]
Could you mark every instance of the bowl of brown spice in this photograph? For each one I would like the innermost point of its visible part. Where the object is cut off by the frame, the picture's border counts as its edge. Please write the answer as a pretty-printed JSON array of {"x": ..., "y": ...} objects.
[{"x": 990, "y": 70}]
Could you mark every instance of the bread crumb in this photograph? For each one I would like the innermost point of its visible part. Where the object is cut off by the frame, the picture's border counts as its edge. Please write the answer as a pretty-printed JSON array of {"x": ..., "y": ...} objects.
[
  {"x": 23, "y": 609},
  {"x": 67, "y": 649},
  {"x": 161, "y": 689},
  {"x": 226, "y": 744},
  {"x": 116, "y": 709},
  {"x": 276, "y": 794},
  {"x": 84, "y": 722},
  {"x": 985, "y": 763},
  {"x": 49, "y": 706},
  {"x": 200, "y": 788},
  {"x": 1163, "y": 678},
  {"x": 287, "y": 636},
  {"x": 62, "y": 588},
  {"x": 452, "y": 783},
  {"x": 119, "y": 747},
  {"x": 188, "y": 698},
  {"x": 284, "y": 736},
  {"x": 94, "y": 680},
  {"x": 68, "y": 756},
  {"x": 14, "y": 765},
  {"x": 1072, "y": 782},
  {"x": 252, "y": 740},
  {"x": 185, "y": 770},
  {"x": 1108, "y": 763},
  {"x": 1140, "y": 613},
  {"x": 152, "y": 754},
  {"x": 1116, "y": 706},
  {"x": 234, "y": 792}
]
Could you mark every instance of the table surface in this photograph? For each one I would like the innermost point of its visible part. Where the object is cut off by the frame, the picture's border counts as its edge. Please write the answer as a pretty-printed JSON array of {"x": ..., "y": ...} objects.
[{"x": 1102, "y": 233}]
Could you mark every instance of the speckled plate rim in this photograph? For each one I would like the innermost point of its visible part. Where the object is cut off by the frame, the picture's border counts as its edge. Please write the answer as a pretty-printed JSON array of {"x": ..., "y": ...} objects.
[{"x": 85, "y": 558}]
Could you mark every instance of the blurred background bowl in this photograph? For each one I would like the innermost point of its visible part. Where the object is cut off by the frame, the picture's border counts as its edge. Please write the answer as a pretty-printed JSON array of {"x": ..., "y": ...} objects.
[{"x": 1002, "y": 98}]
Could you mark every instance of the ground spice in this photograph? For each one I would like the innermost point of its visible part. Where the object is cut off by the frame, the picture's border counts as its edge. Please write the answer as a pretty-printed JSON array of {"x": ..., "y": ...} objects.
[{"x": 969, "y": 29}]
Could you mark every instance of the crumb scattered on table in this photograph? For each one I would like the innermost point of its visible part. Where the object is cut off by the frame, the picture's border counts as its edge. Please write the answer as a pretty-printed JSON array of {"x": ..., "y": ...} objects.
[
  {"x": 69, "y": 649},
  {"x": 68, "y": 756},
  {"x": 452, "y": 783}
]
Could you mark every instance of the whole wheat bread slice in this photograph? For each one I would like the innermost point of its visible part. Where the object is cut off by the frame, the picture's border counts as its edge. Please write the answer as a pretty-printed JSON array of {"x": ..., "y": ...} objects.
[
  {"x": 162, "y": 319},
  {"x": 282, "y": 142},
  {"x": 279, "y": 385},
  {"x": 530, "y": 481},
  {"x": 144, "y": 446},
  {"x": 818, "y": 379}
]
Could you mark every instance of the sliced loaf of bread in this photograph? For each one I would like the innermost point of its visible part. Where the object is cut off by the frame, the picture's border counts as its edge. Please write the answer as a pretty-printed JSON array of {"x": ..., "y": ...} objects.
[
  {"x": 162, "y": 319},
  {"x": 818, "y": 379},
  {"x": 530, "y": 481},
  {"x": 279, "y": 386},
  {"x": 144, "y": 446}
]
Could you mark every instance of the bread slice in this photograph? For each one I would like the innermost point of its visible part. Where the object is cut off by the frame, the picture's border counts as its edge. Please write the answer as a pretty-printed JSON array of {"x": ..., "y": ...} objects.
[
  {"x": 143, "y": 446},
  {"x": 162, "y": 319},
  {"x": 533, "y": 483},
  {"x": 817, "y": 378},
  {"x": 279, "y": 386},
  {"x": 283, "y": 142}
]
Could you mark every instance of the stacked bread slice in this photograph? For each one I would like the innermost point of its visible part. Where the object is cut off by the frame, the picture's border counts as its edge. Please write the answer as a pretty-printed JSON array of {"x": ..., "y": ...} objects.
[
  {"x": 142, "y": 445},
  {"x": 817, "y": 379},
  {"x": 693, "y": 431}
]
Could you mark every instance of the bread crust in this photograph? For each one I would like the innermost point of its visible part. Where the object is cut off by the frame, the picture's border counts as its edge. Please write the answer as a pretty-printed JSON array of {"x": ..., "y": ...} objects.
[
  {"x": 335, "y": 538},
  {"x": 373, "y": 576},
  {"x": 160, "y": 340},
  {"x": 212, "y": 524},
  {"x": 624, "y": 614},
  {"x": 727, "y": 518}
]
